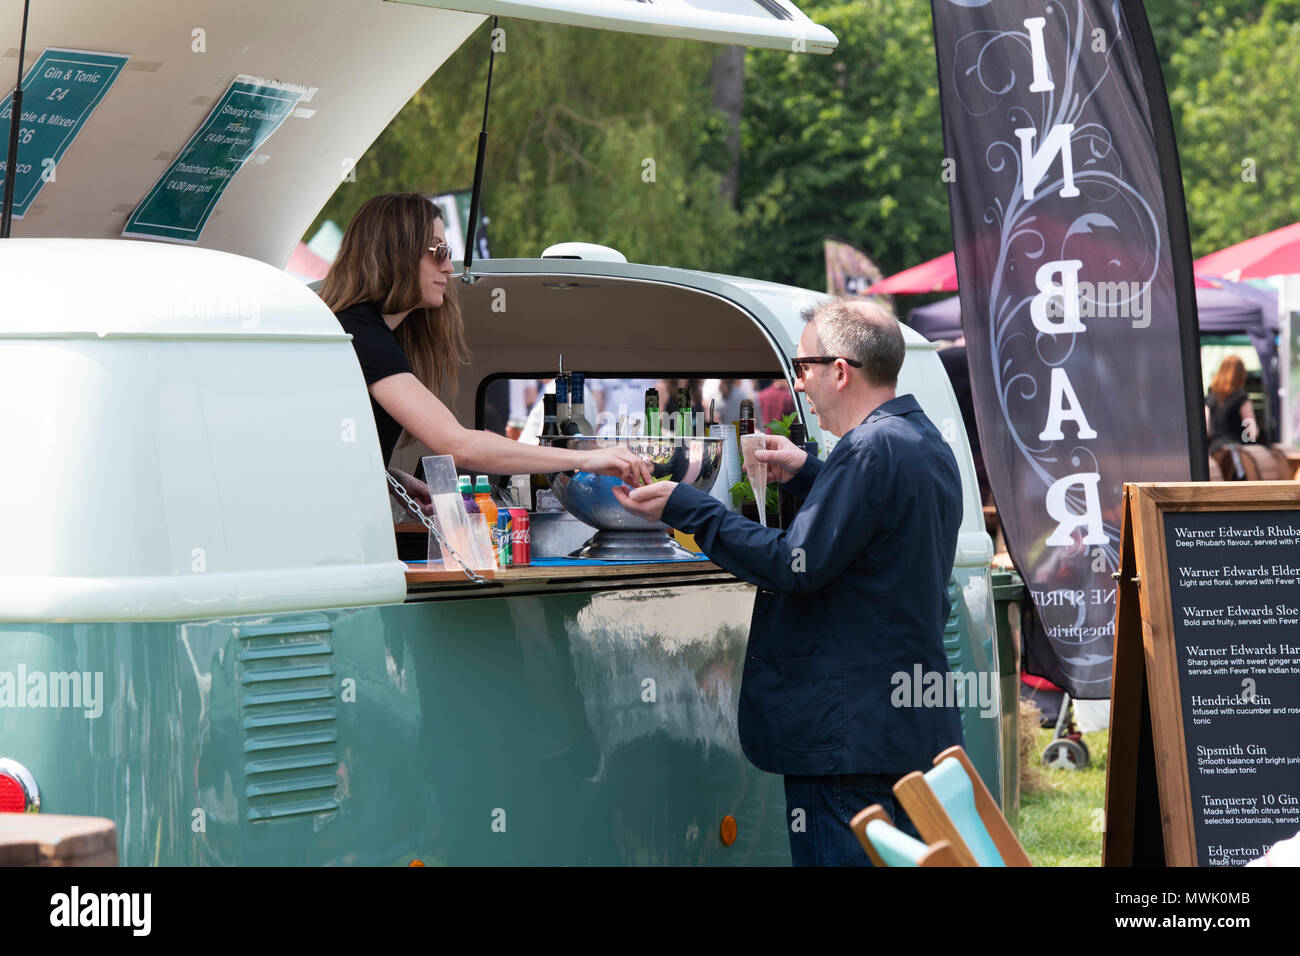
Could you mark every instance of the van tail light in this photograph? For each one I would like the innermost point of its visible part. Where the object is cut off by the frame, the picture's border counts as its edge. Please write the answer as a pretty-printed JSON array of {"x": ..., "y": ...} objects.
[{"x": 18, "y": 790}]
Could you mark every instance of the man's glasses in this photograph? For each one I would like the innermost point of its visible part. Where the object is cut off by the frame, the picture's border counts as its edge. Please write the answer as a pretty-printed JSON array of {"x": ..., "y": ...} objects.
[
  {"x": 800, "y": 362},
  {"x": 441, "y": 253}
]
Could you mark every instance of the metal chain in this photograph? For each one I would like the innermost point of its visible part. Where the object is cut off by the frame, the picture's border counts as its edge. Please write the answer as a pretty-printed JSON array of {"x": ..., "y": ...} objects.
[{"x": 433, "y": 529}]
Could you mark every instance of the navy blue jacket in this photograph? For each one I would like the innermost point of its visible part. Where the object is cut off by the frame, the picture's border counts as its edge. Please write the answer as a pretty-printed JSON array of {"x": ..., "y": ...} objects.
[{"x": 854, "y": 592}]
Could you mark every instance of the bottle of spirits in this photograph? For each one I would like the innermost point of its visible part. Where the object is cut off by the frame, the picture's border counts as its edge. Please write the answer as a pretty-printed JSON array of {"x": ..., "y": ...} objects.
[
  {"x": 561, "y": 397},
  {"x": 561, "y": 406},
  {"x": 575, "y": 422}
]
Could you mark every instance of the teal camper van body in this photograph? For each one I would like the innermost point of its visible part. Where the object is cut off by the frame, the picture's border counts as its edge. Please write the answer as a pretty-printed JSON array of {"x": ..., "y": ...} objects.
[{"x": 206, "y": 635}]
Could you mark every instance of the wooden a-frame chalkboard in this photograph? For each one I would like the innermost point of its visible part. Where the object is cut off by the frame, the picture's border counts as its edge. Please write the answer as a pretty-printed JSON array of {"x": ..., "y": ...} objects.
[{"x": 1204, "y": 759}]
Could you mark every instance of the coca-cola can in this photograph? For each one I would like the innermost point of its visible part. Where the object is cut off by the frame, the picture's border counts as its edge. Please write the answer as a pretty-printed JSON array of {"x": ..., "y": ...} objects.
[{"x": 521, "y": 550}]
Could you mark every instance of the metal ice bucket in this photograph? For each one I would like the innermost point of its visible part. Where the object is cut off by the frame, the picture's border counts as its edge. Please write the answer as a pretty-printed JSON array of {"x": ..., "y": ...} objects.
[{"x": 693, "y": 460}]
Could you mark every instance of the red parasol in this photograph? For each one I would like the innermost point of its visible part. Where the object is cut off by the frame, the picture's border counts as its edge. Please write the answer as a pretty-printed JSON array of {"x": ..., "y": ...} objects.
[
  {"x": 1274, "y": 253},
  {"x": 937, "y": 275},
  {"x": 940, "y": 275}
]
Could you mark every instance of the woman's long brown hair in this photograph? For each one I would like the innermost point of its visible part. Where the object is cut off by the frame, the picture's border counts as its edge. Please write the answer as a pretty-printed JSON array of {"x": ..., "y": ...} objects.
[
  {"x": 379, "y": 261},
  {"x": 1231, "y": 377}
]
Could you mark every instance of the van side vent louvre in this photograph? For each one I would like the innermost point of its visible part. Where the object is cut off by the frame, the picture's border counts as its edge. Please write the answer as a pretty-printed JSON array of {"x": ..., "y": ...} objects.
[{"x": 288, "y": 712}]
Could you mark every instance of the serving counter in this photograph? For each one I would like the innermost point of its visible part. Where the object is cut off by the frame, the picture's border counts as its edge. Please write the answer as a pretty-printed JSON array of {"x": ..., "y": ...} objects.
[{"x": 423, "y": 582}]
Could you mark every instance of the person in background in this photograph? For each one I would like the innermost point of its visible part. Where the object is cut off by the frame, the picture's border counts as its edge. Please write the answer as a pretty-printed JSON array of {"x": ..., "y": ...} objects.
[
  {"x": 775, "y": 401},
  {"x": 390, "y": 288},
  {"x": 727, "y": 393},
  {"x": 534, "y": 421},
  {"x": 1229, "y": 414},
  {"x": 524, "y": 394},
  {"x": 851, "y": 595}
]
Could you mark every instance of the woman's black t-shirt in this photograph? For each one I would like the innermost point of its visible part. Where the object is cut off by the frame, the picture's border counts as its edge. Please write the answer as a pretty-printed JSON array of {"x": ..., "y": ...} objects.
[
  {"x": 380, "y": 355},
  {"x": 1225, "y": 419}
]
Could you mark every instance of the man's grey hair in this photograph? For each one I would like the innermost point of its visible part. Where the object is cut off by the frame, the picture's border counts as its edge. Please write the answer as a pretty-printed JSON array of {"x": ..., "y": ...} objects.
[{"x": 864, "y": 330}]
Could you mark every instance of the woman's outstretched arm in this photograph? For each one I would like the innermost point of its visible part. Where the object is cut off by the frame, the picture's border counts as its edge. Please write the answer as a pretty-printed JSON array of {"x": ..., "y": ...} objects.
[{"x": 421, "y": 413}]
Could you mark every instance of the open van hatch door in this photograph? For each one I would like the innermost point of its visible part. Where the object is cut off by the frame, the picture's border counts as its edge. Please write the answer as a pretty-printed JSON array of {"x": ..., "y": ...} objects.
[
  {"x": 357, "y": 62},
  {"x": 772, "y": 24}
]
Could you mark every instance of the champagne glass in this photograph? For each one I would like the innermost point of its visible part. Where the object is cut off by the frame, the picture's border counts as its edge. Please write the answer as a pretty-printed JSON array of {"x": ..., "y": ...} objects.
[{"x": 757, "y": 471}]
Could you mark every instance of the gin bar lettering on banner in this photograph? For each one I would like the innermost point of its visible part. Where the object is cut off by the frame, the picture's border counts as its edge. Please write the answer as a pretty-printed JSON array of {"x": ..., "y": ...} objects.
[{"x": 1062, "y": 205}]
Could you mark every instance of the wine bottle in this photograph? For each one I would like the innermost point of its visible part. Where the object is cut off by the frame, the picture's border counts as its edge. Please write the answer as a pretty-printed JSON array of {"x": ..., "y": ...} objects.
[
  {"x": 550, "y": 429},
  {"x": 682, "y": 425},
  {"x": 745, "y": 425}
]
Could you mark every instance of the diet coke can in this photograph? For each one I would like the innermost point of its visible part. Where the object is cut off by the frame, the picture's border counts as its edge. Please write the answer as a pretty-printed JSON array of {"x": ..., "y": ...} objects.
[{"x": 521, "y": 550}]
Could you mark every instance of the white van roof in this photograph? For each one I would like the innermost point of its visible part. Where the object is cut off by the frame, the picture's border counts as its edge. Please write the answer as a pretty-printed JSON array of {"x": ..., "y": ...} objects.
[
  {"x": 91, "y": 288},
  {"x": 359, "y": 62},
  {"x": 187, "y": 434}
]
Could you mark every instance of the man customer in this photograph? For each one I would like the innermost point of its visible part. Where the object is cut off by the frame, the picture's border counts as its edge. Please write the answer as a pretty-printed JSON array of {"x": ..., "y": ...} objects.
[{"x": 852, "y": 594}]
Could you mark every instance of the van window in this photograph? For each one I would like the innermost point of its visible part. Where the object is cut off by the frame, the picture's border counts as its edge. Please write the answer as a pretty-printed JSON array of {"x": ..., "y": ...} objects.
[{"x": 512, "y": 406}]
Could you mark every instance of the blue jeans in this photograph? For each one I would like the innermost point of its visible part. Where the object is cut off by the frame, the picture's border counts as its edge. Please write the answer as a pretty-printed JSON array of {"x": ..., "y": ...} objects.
[{"x": 820, "y": 835}]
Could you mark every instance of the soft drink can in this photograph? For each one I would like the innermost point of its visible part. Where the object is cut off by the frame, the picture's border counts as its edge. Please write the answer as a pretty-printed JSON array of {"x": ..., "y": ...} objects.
[
  {"x": 521, "y": 552},
  {"x": 505, "y": 540}
]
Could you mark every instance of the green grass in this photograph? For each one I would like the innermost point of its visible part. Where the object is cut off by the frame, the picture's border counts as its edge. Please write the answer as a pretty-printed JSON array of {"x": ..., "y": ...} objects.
[{"x": 1061, "y": 825}]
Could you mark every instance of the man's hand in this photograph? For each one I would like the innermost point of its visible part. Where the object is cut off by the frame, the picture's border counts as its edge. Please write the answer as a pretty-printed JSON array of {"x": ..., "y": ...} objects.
[
  {"x": 647, "y": 502},
  {"x": 622, "y": 463},
  {"x": 783, "y": 457}
]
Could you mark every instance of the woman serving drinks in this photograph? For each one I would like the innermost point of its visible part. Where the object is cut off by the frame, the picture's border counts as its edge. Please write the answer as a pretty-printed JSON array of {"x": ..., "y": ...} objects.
[{"x": 390, "y": 288}]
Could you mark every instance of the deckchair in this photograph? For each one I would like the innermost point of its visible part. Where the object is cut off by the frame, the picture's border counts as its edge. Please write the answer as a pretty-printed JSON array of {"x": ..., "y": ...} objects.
[
  {"x": 951, "y": 803},
  {"x": 889, "y": 846}
]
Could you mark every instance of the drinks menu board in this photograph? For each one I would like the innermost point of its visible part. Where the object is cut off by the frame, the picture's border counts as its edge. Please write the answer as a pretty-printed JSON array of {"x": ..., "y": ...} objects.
[
  {"x": 1234, "y": 589},
  {"x": 1204, "y": 760}
]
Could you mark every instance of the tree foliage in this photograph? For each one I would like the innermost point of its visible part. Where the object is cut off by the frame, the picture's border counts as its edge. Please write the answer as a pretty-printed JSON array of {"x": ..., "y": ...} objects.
[
  {"x": 1232, "y": 72},
  {"x": 593, "y": 135},
  {"x": 849, "y": 144}
]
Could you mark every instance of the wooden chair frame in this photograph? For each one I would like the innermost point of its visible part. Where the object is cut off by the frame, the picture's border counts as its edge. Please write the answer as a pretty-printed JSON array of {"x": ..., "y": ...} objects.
[
  {"x": 938, "y": 854},
  {"x": 934, "y": 824}
]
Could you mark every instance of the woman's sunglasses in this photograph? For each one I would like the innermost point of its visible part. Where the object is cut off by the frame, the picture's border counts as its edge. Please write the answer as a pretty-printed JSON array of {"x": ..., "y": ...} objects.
[
  {"x": 800, "y": 362},
  {"x": 441, "y": 253}
]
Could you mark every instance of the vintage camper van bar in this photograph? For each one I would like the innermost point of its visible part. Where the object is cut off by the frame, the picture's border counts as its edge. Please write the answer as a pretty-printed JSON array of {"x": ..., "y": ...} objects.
[{"x": 196, "y": 513}]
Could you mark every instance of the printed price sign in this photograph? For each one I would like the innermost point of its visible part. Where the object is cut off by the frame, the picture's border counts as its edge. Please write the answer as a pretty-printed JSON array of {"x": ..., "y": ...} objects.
[
  {"x": 1208, "y": 631},
  {"x": 59, "y": 94},
  {"x": 178, "y": 206}
]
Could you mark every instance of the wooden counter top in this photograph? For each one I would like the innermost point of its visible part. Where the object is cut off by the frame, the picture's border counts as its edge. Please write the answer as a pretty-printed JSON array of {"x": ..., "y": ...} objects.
[{"x": 416, "y": 574}]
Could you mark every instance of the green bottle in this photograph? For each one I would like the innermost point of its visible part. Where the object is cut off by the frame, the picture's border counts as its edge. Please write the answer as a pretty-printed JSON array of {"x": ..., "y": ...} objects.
[{"x": 652, "y": 413}]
